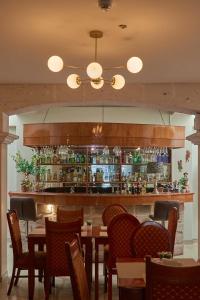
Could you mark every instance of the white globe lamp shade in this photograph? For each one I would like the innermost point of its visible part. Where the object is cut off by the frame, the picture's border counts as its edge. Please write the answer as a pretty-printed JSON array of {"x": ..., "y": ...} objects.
[
  {"x": 118, "y": 82},
  {"x": 94, "y": 70},
  {"x": 55, "y": 63},
  {"x": 73, "y": 81},
  {"x": 134, "y": 64},
  {"x": 97, "y": 83}
]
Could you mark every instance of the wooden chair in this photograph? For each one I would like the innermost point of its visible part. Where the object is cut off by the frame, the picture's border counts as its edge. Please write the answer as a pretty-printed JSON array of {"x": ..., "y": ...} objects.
[
  {"x": 77, "y": 271},
  {"x": 149, "y": 239},
  {"x": 64, "y": 215},
  {"x": 56, "y": 236},
  {"x": 169, "y": 282},
  {"x": 21, "y": 259},
  {"x": 172, "y": 226},
  {"x": 111, "y": 211},
  {"x": 120, "y": 231}
]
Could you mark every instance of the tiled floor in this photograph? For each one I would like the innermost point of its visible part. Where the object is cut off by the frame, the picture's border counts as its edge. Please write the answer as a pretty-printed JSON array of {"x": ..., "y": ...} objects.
[{"x": 63, "y": 286}]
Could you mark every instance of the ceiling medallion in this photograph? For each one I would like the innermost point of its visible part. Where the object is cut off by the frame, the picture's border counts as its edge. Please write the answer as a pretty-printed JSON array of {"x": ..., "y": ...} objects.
[{"x": 94, "y": 70}]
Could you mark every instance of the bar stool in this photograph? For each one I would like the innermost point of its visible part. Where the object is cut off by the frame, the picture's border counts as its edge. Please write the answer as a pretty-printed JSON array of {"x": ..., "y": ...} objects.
[
  {"x": 30, "y": 212},
  {"x": 161, "y": 210},
  {"x": 16, "y": 204},
  {"x": 26, "y": 210}
]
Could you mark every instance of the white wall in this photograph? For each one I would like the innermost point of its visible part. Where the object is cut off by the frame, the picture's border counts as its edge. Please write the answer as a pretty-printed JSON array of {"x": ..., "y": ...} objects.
[{"x": 117, "y": 115}]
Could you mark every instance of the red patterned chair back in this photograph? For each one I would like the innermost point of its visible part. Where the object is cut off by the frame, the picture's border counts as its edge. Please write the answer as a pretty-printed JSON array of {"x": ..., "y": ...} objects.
[
  {"x": 77, "y": 271},
  {"x": 149, "y": 239},
  {"x": 64, "y": 215},
  {"x": 172, "y": 225},
  {"x": 56, "y": 236},
  {"x": 15, "y": 234},
  {"x": 120, "y": 231},
  {"x": 169, "y": 282},
  {"x": 111, "y": 211}
]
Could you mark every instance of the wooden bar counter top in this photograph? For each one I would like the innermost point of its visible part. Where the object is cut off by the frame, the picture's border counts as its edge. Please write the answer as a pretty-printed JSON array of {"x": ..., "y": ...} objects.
[{"x": 102, "y": 199}]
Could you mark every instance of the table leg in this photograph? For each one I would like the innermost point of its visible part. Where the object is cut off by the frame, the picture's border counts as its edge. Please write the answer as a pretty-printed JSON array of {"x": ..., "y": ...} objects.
[
  {"x": 31, "y": 271},
  {"x": 88, "y": 261},
  {"x": 96, "y": 270}
]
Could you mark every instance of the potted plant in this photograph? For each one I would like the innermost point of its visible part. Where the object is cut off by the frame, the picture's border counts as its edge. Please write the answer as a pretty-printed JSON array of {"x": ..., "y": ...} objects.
[
  {"x": 27, "y": 168},
  {"x": 184, "y": 183}
]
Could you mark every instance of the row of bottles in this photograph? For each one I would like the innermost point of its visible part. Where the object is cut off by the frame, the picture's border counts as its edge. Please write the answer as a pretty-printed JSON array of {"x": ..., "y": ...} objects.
[
  {"x": 56, "y": 157},
  {"x": 102, "y": 156},
  {"x": 76, "y": 175}
]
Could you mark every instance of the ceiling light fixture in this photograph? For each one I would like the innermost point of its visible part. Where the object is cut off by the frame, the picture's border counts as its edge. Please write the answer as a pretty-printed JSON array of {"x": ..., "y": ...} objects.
[{"x": 94, "y": 70}]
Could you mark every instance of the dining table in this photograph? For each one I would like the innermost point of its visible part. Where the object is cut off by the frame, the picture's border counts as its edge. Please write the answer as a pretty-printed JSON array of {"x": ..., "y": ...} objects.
[
  {"x": 131, "y": 275},
  {"x": 97, "y": 233}
]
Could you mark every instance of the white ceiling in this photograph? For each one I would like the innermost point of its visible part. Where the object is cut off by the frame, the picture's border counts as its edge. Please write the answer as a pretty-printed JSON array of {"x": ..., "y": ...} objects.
[{"x": 165, "y": 34}]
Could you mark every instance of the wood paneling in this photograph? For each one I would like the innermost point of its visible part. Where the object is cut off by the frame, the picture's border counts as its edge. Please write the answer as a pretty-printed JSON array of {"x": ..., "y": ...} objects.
[
  {"x": 102, "y": 199},
  {"x": 124, "y": 135}
]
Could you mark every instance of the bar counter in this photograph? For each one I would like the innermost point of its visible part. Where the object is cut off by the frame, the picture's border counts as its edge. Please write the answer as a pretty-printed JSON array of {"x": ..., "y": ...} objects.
[
  {"x": 140, "y": 205},
  {"x": 102, "y": 199}
]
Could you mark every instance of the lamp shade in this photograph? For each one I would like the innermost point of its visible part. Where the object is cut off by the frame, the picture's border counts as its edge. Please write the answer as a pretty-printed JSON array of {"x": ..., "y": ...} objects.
[
  {"x": 97, "y": 83},
  {"x": 55, "y": 63},
  {"x": 73, "y": 81},
  {"x": 134, "y": 64},
  {"x": 118, "y": 82},
  {"x": 94, "y": 70}
]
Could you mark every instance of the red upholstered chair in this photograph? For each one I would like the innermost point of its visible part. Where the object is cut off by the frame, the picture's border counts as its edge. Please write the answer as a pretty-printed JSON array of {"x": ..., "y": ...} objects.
[
  {"x": 56, "y": 236},
  {"x": 120, "y": 231},
  {"x": 64, "y": 215},
  {"x": 172, "y": 283},
  {"x": 172, "y": 226},
  {"x": 21, "y": 259},
  {"x": 77, "y": 271},
  {"x": 111, "y": 211},
  {"x": 149, "y": 239}
]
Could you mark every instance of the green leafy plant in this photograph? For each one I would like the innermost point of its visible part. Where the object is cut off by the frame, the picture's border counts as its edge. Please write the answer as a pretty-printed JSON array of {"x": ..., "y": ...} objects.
[
  {"x": 28, "y": 167},
  {"x": 23, "y": 165}
]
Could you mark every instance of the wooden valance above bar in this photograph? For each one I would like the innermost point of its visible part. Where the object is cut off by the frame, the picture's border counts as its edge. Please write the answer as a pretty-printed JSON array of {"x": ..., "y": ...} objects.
[{"x": 110, "y": 134}]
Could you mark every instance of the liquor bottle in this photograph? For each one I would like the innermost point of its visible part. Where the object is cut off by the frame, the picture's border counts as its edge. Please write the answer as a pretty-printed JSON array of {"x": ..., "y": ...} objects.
[
  {"x": 55, "y": 159},
  {"x": 82, "y": 159},
  {"x": 84, "y": 176},
  {"x": 94, "y": 159},
  {"x": 49, "y": 176},
  {"x": 55, "y": 176},
  {"x": 77, "y": 158},
  {"x": 123, "y": 157},
  {"x": 130, "y": 158}
]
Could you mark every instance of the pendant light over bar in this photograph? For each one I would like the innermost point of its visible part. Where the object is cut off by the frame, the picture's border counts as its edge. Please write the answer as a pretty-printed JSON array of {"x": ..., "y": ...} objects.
[{"x": 94, "y": 70}]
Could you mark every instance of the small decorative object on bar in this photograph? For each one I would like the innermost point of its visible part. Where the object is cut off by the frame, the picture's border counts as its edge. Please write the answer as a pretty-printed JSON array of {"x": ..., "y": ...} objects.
[
  {"x": 180, "y": 165},
  {"x": 94, "y": 70},
  {"x": 184, "y": 183},
  {"x": 105, "y": 4},
  {"x": 187, "y": 155},
  {"x": 165, "y": 255}
]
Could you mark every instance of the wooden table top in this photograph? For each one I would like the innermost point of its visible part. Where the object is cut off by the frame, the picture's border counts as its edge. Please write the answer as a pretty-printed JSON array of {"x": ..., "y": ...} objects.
[
  {"x": 96, "y": 232},
  {"x": 131, "y": 272}
]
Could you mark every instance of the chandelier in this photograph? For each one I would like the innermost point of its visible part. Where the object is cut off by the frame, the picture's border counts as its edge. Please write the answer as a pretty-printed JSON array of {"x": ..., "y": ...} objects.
[{"x": 94, "y": 70}]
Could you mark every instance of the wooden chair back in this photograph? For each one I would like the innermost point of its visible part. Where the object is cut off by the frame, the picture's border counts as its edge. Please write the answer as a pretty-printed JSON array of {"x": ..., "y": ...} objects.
[
  {"x": 172, "y": 226},
  {"x": 56, "y": 236},
  {"x": 64, "y": 215},
  {"x": 111, "y": 211},
  {"x": 169, "y": 282},
  {"x": 15, "y": 234},
  {"x": 77, "y": 271},
  {"x": 120, "y": 231},
  {"x": 150, "y": 238}
]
